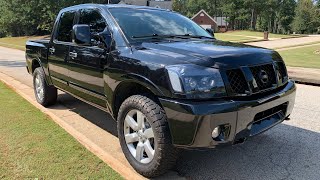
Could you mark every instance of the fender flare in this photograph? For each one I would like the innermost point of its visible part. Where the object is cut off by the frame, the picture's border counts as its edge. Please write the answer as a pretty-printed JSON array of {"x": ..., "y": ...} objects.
[
  {"x": 143, "y": 81},
  {"x": 48, "y": 78},
  {"x": 129, "y": 79}
]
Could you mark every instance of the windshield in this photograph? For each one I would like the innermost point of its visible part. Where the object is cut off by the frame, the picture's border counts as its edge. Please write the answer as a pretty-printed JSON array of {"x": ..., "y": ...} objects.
[{"x": 148, "y": 23}]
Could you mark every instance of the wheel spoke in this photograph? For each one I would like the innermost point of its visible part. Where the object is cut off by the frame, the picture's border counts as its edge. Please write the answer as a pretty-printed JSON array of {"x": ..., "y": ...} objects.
[
  {"x": 137, "y": 135},
  {"x": 148, "y": 149},
  {"x": 131, "y": 122},
  {"x": 37, "y": 81},
  {"x": 140, "y": 119},
  {"x": 41, "y": 94},
  {"x": 131, "y": 138},
  {"x": 139, "y": 151},
  {"x": 149, "y": 133}
]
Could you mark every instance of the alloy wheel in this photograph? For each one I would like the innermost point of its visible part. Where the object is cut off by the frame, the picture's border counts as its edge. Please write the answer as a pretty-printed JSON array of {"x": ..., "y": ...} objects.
[
  {"x": 39, "y": 87},
  {"x": 139, "y": 136}
]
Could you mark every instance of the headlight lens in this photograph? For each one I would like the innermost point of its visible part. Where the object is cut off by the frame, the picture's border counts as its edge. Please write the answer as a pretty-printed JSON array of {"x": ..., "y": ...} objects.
[{"x": 196, "y": 81}]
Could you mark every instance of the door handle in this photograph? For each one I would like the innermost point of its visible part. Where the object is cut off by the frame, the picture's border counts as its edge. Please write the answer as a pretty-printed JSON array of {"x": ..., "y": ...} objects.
[
  {"x": 52, "y": 50},
  {"x": 73, "y": 55}
]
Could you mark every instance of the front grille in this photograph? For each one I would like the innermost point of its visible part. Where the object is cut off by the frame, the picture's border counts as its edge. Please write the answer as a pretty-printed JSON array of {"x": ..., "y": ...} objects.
[
  {"x": 237, "y": 81},
  {"x": 271, "y": 76},
  {"x": 261, "y": 78},
  {"x": 265, "y": 114}
]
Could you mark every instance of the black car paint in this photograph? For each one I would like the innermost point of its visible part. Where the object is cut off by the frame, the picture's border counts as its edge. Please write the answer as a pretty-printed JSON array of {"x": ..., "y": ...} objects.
[{"x": 124, "y": 64}]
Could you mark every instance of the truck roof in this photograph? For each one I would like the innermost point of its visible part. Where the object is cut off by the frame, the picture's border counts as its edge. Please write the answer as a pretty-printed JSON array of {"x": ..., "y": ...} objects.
[{"x": 107, "y": 6}]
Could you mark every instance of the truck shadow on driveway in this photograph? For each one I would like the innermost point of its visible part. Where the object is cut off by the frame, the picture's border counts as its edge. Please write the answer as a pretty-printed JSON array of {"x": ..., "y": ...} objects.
[
  {"x": 284, "y": 152},
  {"x": 92, "y": 114}
]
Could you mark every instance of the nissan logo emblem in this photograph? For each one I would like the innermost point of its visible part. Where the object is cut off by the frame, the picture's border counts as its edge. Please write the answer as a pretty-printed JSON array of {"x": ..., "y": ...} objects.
[{"x": 263, "y": 75}]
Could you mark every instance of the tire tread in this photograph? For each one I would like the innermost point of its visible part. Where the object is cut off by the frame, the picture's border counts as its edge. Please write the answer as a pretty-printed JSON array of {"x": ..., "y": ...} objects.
[
  {"x": 50, "y": 92},
  {"x": 168, "y": 154}
]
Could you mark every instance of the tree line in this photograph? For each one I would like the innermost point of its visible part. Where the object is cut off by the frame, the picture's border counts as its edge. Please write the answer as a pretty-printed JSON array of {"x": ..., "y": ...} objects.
[
  {"x": 36, "y": 17},
  {"x": 276, "y": 16},
  {"x": 33, "y": 17}
]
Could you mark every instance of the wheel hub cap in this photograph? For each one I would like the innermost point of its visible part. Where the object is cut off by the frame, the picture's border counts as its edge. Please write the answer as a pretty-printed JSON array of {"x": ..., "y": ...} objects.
[
  {"x": 139, "y": 136},
  {"x": 38, "y": 87}
]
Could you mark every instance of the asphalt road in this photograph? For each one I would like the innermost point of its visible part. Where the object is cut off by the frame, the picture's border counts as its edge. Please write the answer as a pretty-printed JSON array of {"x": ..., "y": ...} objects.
[{"x": 288, "y": 151}]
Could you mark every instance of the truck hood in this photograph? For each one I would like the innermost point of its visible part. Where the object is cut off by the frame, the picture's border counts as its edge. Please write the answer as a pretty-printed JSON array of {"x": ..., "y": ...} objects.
[{"x": 215, "y": 53}]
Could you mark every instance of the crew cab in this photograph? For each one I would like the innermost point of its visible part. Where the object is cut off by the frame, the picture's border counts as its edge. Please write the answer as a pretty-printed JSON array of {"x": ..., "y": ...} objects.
[{"x": 167, "y": 82}]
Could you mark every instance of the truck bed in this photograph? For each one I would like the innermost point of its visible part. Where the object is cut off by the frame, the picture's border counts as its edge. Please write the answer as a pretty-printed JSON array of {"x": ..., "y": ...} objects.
[{"x": 36, "y": 50}]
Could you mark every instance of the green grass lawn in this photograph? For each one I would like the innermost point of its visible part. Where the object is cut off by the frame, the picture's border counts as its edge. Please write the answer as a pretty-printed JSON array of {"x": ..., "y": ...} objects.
[
  {"x": 17, "y": 42},
  {"x": 32, "y": 146},
  {"x": 308, "y": 57},
  {"x": 232, "y": 38},
  {"x": 258, "y": 34}
]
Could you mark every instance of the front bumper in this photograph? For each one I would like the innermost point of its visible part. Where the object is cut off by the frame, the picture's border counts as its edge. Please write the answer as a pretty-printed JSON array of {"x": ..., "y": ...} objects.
[{"x": 191, "y": 123}]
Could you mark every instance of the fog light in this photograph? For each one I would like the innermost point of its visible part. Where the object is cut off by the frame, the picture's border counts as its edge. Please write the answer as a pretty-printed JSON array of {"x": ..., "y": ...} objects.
[{"x": 216, "y": 132}]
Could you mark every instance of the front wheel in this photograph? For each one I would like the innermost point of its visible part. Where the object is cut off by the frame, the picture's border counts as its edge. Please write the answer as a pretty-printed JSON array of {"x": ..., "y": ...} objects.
[{"x": 145, "y": 136}]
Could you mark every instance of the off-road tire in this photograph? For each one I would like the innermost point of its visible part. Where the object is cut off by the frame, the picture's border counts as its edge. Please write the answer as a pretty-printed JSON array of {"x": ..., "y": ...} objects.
[
  {"x": 50, "y": 93},
  {"x": 165, "y": 153}
]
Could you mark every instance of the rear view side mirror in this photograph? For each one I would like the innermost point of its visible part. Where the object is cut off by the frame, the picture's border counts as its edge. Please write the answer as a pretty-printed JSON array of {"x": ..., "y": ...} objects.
[
  {"x": 82, "y": 34},
  {"x": 211, "y": 31}
]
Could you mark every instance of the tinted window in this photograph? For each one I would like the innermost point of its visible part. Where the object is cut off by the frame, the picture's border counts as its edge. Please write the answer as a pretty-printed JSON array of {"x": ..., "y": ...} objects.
[
  {"x": 92, "y": 18},
  {"x": 142, "y": 22},
  {"x": 65, "y": 26}
]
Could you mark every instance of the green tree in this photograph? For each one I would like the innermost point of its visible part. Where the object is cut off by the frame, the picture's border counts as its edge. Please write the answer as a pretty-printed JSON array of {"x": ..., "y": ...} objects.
[
  {"x": 20, "y": 17},
  {"x": 306, "y": 19},
  {"x": 180, "y": 6},
  {"x": 286, "y": 15}
]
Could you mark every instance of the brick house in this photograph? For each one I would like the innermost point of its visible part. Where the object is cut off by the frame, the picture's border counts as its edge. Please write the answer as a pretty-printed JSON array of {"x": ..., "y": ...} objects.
[
  {"x": 205, "y": 20},
  {"x": 223, "y": 25}
]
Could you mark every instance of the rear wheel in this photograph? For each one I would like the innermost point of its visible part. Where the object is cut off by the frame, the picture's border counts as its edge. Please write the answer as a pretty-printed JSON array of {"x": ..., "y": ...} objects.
[
  {"x": 46, "y": 95},
  {"x": 145, "y": 137}
]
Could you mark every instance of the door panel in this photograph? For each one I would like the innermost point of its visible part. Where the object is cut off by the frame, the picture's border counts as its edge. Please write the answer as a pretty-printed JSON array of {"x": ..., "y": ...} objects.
[
  {"x": 86, "y": 63},
  {"x": 86, "y": 73},
  {"x": 58, "y": 55},
  {"x": 58, "y": 58}
]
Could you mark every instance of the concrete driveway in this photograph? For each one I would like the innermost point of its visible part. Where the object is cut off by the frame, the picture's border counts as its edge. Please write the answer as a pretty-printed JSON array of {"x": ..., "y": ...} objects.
[
  {"x": 288, "y": 151},
  {"x": 280, "y": 43}
]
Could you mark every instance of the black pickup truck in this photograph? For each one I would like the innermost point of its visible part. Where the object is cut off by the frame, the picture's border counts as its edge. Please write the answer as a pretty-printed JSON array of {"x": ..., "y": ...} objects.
[{"x": 168, "y": 82}]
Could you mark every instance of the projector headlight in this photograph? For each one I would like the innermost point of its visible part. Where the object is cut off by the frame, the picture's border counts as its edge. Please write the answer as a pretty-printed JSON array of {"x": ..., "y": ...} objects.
[{"x": 196, "y": 81}]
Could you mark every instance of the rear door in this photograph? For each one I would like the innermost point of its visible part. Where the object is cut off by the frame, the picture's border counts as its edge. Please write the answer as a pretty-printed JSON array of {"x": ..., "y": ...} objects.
[
  {"x": 87, "y": 63},
  {"x": 59, "y": 49}
]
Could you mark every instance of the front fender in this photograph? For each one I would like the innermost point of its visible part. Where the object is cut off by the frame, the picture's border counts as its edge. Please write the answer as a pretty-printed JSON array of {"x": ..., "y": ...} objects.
[
  {"x": 145, "y": 82},
  {"x": 116, "y": 84}
]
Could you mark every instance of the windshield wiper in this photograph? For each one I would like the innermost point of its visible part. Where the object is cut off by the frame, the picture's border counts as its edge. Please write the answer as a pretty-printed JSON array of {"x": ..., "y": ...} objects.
[
  {"x": 157, "y": 36},
  {"x": 195, "y": 36}
]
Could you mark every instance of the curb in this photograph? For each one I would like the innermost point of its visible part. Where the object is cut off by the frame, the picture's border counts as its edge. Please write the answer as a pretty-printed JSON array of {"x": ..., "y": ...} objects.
[
  {"x": 306, "y": 81},
  {"x": 307, "y": 76},
  {"x": 114, "y": 163}
]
